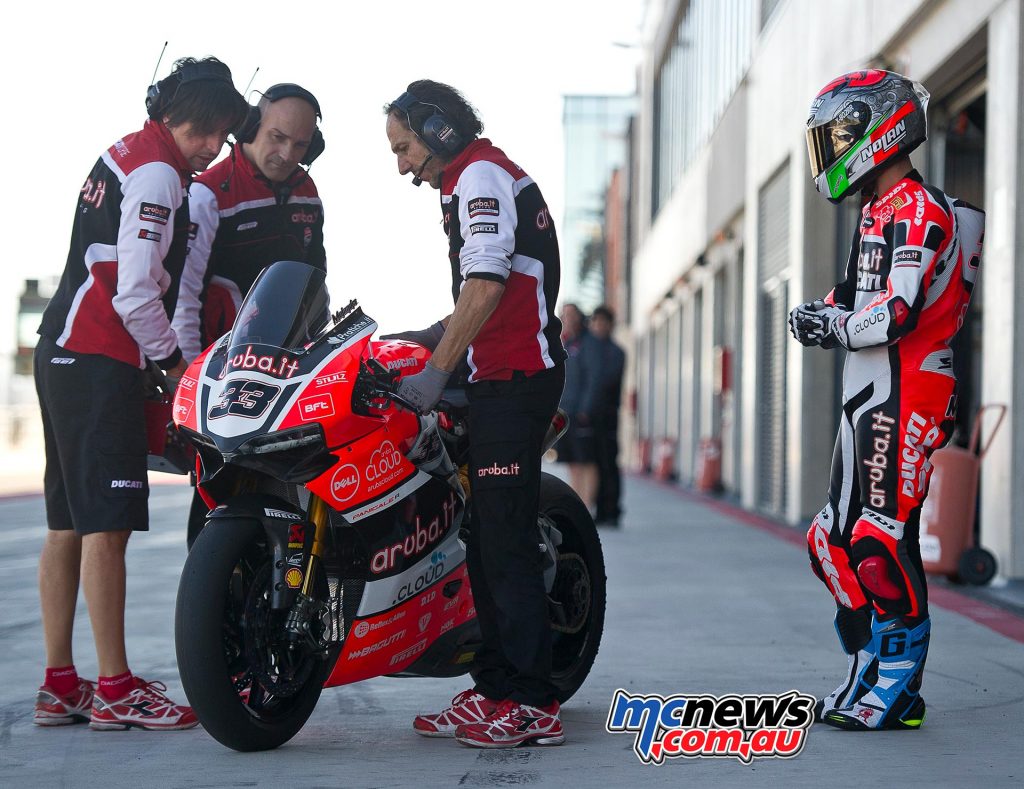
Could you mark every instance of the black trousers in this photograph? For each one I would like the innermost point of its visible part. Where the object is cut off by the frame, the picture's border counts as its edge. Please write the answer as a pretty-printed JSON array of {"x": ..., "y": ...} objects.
[
  {"x": 507, "y": 423},
  {"x": 609, "y": 482}
]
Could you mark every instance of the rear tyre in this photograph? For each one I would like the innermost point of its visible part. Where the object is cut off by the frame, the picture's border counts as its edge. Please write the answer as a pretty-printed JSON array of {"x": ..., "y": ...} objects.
[
  {"x": 248, "y": 689},
  {"x": 579, "y": 587}
]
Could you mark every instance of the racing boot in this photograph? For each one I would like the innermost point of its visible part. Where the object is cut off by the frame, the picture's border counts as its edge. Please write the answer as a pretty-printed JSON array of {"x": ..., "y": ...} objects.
[
  {"x": 894, "y": 702},
  {"x": 853, "y": 626}
]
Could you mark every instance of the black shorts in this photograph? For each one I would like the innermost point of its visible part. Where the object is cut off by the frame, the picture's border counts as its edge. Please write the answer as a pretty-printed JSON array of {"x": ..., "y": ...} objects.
[
  {"x": 95, "y": 435},
  {"x": 577, "y": 445}
]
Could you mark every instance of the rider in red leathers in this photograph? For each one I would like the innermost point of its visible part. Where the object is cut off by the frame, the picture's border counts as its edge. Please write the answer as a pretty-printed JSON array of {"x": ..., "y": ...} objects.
[{"x": 908, "y": 284}]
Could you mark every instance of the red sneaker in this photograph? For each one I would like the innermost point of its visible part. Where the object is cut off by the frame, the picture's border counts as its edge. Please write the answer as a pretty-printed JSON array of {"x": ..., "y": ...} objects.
[
  {"x": 52, "y": 709},
  {"x": 145, "y": 707},
  {"x": 512, "y": 724},
  {"x": 468, "y": 707}
]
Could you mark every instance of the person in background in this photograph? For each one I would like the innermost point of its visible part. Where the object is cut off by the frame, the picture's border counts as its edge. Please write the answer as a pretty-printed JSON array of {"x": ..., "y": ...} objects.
[
  {"x": 109, "y": 317},
  {"x": 576, "y": 447},
  {"x": 608, "y": 364},
  {"x": 256, "y": 207}
]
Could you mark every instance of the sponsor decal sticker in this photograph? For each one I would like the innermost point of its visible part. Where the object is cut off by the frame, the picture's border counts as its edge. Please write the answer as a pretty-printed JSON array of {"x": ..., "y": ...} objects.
[
  {"x": 405, "y": 654},
  {"x": 284, "y": 515},
  {"x": 885, "y": 142},
  {"x": 421, "y": 581},
  {"x": 154, "y": 212},
  {"x": 369, "y": 650},
  {"x": 278, "y": 366},
  {"x": 333, "y": 378},
  {"x": 363, "y": 627},
  {"x": 739, "y": 727},
  {"x": 881, "y": 431},
  {"x": 483, "y": 206},
  {"x": 247, "y": 226},
  {"x": 296, "y": 535},
  {"x": 316, "y": 407},
  {"x": 293, "y": 578},
  {"x": 423, "y": 537},
  {"x": 193, "y": 230},
  {"x": 345, "y": 482},
  {"x": 398, "y": 364},
  {"x": 149, "y": 235},
  {"x": 483, "y": 227},
  {"x": 183, "y": 408},
  {"x": 906, "y": 257}
]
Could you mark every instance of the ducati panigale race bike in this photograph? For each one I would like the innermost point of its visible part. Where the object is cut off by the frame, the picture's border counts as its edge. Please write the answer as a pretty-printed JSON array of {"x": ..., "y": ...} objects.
[{"x": 334, "y": 548}]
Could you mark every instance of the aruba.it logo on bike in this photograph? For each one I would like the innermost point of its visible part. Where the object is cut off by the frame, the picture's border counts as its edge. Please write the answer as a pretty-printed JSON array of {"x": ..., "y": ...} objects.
[{"x": 741, "y": 727}]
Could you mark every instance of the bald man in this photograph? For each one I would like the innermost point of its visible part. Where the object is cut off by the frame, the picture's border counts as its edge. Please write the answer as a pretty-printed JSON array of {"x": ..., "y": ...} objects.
[{"x": 256, "y": 207}]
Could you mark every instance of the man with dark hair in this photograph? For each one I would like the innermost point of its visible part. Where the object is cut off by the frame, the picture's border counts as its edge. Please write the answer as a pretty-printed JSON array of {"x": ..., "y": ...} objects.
[
  {"x": 608, "y": 364},
  {"x": 505, "y": 270},
  {"x": 909, "y": 277},
  {"x": 258, "y": 206},
  {"x": 108, "y": 319}
]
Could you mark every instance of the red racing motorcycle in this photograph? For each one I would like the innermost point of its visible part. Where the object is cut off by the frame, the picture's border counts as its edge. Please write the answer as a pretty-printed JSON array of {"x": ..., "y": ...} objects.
[{"x": 334, "y": 549}]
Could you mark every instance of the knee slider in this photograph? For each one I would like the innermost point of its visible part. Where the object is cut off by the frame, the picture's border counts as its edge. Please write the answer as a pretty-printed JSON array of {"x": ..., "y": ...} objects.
[
  {"x": 876, "y": 570},
  {"x": 873, "y": 573}
]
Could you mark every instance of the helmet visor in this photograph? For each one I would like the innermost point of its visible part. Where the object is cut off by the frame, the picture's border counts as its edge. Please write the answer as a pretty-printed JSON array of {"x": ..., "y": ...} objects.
[{"x": 827, "y": 143}]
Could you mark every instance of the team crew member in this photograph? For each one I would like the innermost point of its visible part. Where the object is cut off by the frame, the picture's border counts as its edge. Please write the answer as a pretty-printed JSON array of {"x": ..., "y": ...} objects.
[
  {"x": 505, "y": 270},
  {"x": 110, "y": 314},
  {"x": 254, "y": 208},
  {"x": 908, "y": 283}
]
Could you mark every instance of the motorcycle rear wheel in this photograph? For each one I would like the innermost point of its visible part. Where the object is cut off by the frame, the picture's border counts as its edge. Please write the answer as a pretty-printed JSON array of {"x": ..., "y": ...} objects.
[{"x": 248, "y": 690}]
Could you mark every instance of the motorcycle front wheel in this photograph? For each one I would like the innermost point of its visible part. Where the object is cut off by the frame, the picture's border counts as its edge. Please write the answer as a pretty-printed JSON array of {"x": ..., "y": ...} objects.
[{"x": 250, "y": 688}]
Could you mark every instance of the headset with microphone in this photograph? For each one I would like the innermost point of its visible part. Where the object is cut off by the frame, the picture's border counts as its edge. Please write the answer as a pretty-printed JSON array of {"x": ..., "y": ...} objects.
[
  {"x": 161, "y": 95},
  {"x": 436, "y": 132},
  {"x": 284, "y": 90}
]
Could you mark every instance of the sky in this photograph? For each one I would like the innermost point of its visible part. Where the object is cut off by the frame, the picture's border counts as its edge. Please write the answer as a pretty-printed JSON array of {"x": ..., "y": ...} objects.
[{"x": 77, "y": 78}]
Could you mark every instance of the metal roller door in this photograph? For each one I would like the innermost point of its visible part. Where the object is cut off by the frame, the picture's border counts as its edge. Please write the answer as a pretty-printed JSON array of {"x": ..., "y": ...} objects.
[{"x": 773, "y": 275}]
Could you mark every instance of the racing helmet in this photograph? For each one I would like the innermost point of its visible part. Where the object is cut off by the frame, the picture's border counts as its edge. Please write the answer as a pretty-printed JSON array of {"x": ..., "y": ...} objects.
[{"x": 860, "y": 121}]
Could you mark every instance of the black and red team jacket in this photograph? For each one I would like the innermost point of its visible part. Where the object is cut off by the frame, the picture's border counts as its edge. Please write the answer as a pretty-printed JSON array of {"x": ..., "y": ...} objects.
[
  {"x": 499, "y": 228},
  {"x": 243, "y": 223},
  {"x": 128, "y": 246}
]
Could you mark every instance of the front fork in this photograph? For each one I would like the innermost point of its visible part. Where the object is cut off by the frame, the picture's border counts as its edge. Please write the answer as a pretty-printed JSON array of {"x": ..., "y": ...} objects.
[{"x": 305, "y": 608}]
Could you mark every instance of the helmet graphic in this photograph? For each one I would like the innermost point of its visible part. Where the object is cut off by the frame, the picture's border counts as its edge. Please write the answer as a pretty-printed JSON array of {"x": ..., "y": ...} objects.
[{"x": 858, "y": 122}]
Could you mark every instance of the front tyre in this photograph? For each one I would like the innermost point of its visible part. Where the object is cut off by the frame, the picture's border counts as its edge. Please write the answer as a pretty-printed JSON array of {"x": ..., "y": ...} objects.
[{"x": 249, "y": 689}]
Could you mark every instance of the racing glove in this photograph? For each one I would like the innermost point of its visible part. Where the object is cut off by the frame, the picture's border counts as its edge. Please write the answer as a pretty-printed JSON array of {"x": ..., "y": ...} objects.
[
  {"x": 818, "y": 323},
  {"x": 428, "y": 337},
  {"x": 424, "y": 389}
]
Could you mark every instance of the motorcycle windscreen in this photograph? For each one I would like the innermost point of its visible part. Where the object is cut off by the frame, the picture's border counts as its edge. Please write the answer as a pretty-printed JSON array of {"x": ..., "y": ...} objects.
[{"x": 288, "y": 307}]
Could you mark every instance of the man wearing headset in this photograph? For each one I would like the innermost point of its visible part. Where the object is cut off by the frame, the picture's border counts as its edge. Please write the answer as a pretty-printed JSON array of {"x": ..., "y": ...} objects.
[
  {"x": 258, "y": 206},
  {"x": 505, "y": 270},
  {"x": 109, "y": 317},
  {"x": 909, "y": 278}
]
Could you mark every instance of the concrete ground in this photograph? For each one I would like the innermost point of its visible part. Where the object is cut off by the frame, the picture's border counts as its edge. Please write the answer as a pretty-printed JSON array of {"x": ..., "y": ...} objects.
[{"x": 702, "y": 599}]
